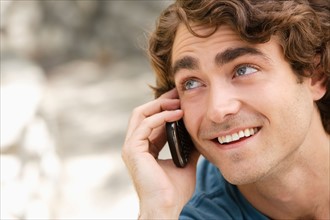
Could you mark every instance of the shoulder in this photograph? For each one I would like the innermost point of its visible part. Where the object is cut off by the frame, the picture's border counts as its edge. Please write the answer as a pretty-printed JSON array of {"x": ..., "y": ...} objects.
[{"x": 214, "y": 197}]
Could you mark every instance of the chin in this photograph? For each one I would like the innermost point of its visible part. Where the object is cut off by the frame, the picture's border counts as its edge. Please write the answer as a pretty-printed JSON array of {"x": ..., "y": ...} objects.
[
  {"x": 241, "y": 180},
  {"x": 242, "y": 176}
]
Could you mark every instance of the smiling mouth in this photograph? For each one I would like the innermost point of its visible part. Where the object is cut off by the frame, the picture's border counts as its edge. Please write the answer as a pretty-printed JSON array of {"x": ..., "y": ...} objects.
[{"x": 237, "y": 136}]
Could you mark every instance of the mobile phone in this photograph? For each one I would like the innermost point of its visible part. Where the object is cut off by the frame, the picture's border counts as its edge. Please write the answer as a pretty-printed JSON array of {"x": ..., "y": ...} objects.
[{"x": 179, "y": 142}]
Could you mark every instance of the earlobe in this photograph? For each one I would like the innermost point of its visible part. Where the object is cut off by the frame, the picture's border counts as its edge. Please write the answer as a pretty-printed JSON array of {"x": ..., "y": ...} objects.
[{"x": 318, "y": 84}]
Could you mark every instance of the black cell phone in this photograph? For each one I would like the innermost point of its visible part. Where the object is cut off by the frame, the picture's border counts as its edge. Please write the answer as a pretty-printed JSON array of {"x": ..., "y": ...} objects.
[{"x": 179, "y": 142}]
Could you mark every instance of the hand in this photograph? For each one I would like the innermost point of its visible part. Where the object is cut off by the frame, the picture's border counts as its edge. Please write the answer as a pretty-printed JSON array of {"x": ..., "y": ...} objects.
[{"x": 163, "y": 189}]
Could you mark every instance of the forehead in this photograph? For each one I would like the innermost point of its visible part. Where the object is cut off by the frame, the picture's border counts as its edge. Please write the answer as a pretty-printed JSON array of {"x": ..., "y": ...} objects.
[
  {"x": 185, "y": 42},
  {"x": 223, "y": 45}
]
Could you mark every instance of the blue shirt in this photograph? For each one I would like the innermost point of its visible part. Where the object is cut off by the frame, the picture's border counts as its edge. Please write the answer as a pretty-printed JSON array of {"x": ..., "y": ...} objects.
[{"x": 215, "y": 198}]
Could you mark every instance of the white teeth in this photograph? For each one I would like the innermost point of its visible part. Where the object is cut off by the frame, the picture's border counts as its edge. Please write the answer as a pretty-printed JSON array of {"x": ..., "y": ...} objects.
[
  {"x": 247, "y": 132},
  {"x": 241, "y": 134},
  {"x": 228, "y": 139},
  {"x": 238, "y": 135},
  {"x": 235, "y": 136}
]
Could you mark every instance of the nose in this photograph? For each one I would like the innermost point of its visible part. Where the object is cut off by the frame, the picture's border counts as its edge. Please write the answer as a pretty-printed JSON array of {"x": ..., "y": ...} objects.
[{"x": 222, "y": 103}]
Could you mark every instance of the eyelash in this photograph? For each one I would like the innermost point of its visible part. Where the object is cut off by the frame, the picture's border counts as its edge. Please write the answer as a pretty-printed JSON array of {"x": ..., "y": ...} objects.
[
  {"x": 246, "y": 66},
  {"x": 184, "y": 81}
]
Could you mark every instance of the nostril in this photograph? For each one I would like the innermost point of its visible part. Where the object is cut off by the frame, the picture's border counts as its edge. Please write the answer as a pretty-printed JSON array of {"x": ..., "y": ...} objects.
[{"x": 219, "y": 111}]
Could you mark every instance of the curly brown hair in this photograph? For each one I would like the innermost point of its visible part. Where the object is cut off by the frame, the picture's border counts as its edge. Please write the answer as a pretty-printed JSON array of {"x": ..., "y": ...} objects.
[{"x": 303, "y": 27}]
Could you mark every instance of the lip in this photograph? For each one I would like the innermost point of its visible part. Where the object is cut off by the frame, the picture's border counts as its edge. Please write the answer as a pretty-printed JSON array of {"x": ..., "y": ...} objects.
[{"x": 239, "y": 143}]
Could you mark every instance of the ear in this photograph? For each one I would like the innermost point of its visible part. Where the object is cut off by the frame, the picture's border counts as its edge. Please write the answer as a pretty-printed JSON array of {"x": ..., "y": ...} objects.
[{"x": 317, "y": 83}]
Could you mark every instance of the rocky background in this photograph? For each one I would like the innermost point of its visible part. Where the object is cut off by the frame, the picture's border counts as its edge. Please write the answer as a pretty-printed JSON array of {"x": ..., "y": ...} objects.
[{"x": 71, "y": 73}]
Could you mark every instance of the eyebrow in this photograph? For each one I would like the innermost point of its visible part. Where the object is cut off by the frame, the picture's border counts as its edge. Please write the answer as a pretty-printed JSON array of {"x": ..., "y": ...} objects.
[
  {"x": 233, "y": 53},
  {"x": 187, "y": 62},
  {"x": 191, "y": 63}
]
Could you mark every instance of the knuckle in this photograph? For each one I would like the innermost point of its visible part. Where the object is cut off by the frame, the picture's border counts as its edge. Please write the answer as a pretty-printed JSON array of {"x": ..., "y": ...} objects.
[
  {"x": 124, "y": 154},
  {"x": 137, "y": 110}
]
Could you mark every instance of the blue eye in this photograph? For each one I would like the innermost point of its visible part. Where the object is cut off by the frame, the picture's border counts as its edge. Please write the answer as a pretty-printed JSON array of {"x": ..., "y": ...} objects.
[
  {"x": 191, "y": 84},
  {"x": 245, "y": 70}
]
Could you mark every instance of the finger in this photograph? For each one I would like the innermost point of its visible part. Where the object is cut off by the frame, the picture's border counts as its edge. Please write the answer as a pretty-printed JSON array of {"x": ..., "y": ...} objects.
[
  {"x": 158, "y": 105},
  {"x": 139, "y": 137},
  {"x": 167, "y": 101},
  {"x": 153, "y": 149},
  {"x": 151, "y": 108},
  {"x": 172, "y": 94},
  {"x": 155, "y": 121},
  {"x": 158, "y": 138}
]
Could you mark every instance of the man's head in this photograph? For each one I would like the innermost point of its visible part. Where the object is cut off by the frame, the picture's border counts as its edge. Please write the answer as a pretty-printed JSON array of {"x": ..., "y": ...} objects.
[{"x": 301, "y": 27}]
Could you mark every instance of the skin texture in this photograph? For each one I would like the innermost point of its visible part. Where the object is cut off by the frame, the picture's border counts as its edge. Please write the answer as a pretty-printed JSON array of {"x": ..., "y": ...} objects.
[
  {"x": 269, "y": 98},
  {"x": 224, "y": 85},
  {"x": 162, "y": 188}
]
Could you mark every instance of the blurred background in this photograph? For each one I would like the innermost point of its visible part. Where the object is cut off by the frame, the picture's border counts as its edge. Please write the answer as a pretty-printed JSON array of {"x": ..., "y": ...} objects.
[{"x": 71, "y": 73}]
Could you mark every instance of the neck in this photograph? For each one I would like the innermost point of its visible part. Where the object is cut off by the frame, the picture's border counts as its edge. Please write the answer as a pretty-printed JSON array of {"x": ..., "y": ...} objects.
[{"x": 298, "y": 188}]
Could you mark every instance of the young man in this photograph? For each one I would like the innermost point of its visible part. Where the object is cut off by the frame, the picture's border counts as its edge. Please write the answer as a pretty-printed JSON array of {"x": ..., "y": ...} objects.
[{"x": 251, "y": 81}]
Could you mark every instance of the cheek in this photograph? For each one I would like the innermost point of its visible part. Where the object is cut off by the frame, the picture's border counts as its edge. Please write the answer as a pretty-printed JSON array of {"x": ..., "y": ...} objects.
[
  {"x": 296, "y": 116},
  {"x": 290, "y": 115},
  {"x": 194, "y": 110}
]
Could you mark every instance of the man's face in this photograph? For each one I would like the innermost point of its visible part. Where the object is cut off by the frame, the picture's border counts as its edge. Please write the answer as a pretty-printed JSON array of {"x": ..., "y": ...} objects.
[{"x": 243, "y": 105}]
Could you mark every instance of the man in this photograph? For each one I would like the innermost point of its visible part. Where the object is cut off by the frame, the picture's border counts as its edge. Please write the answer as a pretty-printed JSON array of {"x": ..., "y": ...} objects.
[{"x": 251, "y": 81}]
